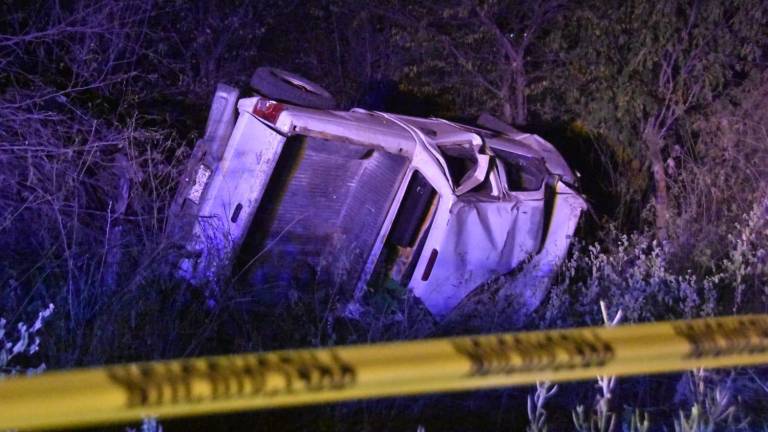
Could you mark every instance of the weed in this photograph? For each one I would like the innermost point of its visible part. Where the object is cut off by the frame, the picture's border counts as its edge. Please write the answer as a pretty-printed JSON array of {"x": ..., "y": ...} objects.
[{"x": 17, "y": 349}]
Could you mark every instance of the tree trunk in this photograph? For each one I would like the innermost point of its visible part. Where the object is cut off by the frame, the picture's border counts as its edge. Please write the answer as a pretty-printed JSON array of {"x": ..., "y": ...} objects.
[
  {"x": 521, "y": 104},
  {"x": 661, "y": 197},
  {"x": 507, "y": 109},
  {"x": 113, "y": 244}
]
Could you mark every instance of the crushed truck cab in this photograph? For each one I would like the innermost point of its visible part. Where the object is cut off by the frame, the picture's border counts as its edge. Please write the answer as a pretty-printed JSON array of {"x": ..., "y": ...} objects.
[{"x": 278, "y": 194}]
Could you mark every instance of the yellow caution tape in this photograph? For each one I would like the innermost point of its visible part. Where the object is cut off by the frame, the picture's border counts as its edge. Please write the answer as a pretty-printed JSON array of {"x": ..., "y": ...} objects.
[{"x": 209, "y": 385}]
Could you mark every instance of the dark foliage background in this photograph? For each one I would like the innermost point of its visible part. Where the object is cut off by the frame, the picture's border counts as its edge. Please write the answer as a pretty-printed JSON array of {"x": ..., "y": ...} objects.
[{"x": 662, "y": 108}]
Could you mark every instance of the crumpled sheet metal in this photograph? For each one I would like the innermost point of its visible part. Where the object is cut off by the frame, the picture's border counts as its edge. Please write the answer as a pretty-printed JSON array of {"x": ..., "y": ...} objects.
[
  {"x": 483, "y": 239},
  {"x": 486, "y": 239}
]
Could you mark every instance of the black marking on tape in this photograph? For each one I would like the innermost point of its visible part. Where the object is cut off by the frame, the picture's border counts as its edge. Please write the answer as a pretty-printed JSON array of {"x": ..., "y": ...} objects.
[
  {"x": 711, "y": 338},
  {"x": 510, "y": 354},
  {"x": 179, "y": 382}
]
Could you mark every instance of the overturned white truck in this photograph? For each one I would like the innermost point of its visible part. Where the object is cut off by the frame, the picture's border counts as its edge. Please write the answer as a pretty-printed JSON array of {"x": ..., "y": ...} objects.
[{"x": 283, "y": 190}]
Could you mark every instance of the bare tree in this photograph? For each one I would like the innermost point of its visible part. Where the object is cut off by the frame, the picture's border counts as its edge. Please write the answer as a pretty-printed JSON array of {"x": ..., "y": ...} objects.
[{"x": 495, "y": 44}]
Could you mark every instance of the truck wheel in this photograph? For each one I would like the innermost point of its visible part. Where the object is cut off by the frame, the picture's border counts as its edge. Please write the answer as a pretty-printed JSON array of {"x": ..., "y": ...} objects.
[{"x": 291, "y": 88}]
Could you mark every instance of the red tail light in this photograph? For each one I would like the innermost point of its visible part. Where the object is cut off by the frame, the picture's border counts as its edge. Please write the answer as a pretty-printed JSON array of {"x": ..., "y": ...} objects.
[{"x": 268, "y": 110}]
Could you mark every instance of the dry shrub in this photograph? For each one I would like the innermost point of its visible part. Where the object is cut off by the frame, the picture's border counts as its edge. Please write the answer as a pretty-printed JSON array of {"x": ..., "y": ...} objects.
[
  {"x": 716, "y": 260},
  {"x": 723, "y": 175},
  {"x": 643, "y": 278},
  {"x": 82, "y": 209},
  {"x": 633, "y": 272},
  {"x": 86, "y": 182}
]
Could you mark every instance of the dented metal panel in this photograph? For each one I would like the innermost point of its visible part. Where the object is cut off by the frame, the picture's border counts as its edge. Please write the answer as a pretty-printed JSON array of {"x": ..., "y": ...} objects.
[
  {"x": 537, "y": 275},
  {"x": 231, "y": 197},
  {"x": 482, "y": 239}
]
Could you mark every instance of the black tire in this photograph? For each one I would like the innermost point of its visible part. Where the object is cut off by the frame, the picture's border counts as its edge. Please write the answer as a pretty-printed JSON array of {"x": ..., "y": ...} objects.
[{"x": 291, "y": 88}]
